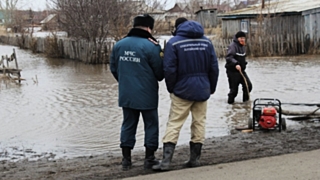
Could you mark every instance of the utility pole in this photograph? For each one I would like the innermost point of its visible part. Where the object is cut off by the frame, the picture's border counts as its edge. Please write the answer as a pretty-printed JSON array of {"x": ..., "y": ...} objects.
[{"x": 262, "y": 4}]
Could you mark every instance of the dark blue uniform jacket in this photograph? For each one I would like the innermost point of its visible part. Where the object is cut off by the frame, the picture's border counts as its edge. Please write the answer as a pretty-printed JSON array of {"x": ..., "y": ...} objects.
[
  {"x": 190, "y": 63},
  {"x": 136, "y": 64}
]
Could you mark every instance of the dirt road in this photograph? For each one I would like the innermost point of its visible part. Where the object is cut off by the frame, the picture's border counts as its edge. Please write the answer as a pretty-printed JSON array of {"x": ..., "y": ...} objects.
[{"x": 236, "y": 147}]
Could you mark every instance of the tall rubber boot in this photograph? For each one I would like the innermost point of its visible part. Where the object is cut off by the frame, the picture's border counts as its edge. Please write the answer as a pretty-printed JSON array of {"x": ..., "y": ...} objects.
[
  {"x": 245, "y": 96},
  {"x": 126, "y": 158},
  {"x": 195, "y": 153},
  {"x": 150, "y": 160},
  {"x": 230, "y": 100},
  {"x": 168, "y": 150}
]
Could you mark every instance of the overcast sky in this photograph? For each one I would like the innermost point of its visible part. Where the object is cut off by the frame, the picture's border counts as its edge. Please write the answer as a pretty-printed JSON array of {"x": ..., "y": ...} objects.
[
  {"x": 41, "y": 4},
  {"x": 32, "y": 4}
]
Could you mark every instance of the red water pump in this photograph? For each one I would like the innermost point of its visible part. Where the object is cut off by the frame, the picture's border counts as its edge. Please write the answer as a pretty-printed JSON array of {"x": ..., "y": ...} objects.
[
  {"x": 266, "y": 114},
  {"x": 268, "y": 118}
]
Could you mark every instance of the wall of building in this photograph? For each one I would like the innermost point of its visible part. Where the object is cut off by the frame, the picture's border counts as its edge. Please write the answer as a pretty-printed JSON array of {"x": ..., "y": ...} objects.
[
  {"x": 207, "y": 18},
  {"x": 267, "y": 26},
  {"x": 312, "y": 25}
]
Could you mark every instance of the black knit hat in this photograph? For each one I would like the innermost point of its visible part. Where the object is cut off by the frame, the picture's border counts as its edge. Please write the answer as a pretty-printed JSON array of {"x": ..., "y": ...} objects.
[
  {"x": 144, "y": 20},
  {"x": 179, "y": 21},
  {"x": 240, "y": 34}
]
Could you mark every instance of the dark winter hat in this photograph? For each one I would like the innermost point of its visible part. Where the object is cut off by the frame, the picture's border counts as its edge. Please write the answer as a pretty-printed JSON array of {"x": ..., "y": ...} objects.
[
  {"x": 179, "y": 21},
  {"x": 240, "y": 34},
  {"x": 144, "y": 20}
]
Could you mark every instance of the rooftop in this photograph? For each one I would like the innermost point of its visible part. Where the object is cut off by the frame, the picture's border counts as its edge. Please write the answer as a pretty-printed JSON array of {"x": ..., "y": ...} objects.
[{"x": 281, "y": 6}]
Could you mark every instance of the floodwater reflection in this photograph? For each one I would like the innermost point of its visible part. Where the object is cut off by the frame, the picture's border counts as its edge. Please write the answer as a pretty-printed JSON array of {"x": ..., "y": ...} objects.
[{"x": 67, "y": 109}]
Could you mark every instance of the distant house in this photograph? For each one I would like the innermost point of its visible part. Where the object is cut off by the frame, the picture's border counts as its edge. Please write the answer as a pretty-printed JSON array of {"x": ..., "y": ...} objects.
[
  {"x": 281, "y": 27},
  {"x": 179, "y": 10},
  {"x": 38, "y": 16},
  {"x": 140, "y": 7},
  {"x": 245, "y": 4},
  {"x": 51, "y": 22},
  {"x": 207, "y": 17},
  {"x": 277, "y": 18},
  {"x": 224, "y": 7}
]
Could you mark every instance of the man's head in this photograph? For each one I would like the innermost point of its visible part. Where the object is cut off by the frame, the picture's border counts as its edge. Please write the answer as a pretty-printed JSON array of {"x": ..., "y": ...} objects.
[
  {"x": 177, "y": 23},
  {"x": 144, "y": 20},
  {"x": 241, "y": 36},
  {"x": 180, "y": 21}
]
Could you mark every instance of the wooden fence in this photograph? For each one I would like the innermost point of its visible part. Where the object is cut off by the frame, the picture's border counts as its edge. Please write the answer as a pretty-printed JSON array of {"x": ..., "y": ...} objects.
[
  {"x": 80, "y": 50},
  {"x": 276, "y": 45}
]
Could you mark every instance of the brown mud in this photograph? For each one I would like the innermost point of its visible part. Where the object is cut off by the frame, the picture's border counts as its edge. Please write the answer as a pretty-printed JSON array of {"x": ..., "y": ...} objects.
[{"x": 235, "y": 147}]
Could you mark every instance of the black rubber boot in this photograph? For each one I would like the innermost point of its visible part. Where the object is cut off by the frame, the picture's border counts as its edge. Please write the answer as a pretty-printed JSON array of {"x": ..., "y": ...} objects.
[
  {"x": 230, "y": 100},
  {"x": 195, "y": 152},
  {"x": 245, "y": 97},
  {"x": 150, "y": 160},
  {"x": 168, "y": 150},
  {"x": 126, "y": 160}
]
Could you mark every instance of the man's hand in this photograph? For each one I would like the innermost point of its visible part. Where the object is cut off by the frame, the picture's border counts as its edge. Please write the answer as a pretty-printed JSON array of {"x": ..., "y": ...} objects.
[{"x": 238, "y": 67}]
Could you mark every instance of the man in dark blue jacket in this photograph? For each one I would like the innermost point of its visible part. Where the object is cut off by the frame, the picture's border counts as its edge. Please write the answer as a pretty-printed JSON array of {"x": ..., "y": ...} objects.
[
  {"x": 236, "y": 65},
  {"x": 136, "y": 64},
  {"x": 191, "y": 74}
]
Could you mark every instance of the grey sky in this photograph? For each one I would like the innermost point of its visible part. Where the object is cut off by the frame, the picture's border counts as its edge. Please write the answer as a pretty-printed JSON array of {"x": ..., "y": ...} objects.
[{"x": 41, "y": 4}]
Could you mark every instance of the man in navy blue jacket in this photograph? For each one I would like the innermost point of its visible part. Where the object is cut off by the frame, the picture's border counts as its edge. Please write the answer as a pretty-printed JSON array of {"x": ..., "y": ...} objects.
[
  {"x": 191, "y": 74},
  {"x": 136, "y": 64}
]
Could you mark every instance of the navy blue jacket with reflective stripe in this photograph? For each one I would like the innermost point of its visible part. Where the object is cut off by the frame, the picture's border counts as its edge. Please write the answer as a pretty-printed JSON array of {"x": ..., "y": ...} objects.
[
  {"x": 236, "y": 55},
  {"x": 190, "y": 63}
]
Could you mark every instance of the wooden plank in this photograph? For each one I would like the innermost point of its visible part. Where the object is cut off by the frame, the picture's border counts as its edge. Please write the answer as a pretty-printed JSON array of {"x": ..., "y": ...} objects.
[
  {"x": 18, "y": 79},
  {"x": 281, "y": 43},
  {"x": 260, "y": 45},
  {"x": 303, "y": 41},
  {"x": 10, "y": 70},
  {"x": 15, "y": 58}
]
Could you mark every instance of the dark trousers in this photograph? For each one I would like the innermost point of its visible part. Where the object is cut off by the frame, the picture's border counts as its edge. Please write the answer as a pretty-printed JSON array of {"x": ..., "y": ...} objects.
[
  {"x": 129, "y": 128},
  {"x": 235, "y": 79}
]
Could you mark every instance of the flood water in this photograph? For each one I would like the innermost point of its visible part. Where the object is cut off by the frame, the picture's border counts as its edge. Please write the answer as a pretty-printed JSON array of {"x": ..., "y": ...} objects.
[{"x": 67, "y": 109}]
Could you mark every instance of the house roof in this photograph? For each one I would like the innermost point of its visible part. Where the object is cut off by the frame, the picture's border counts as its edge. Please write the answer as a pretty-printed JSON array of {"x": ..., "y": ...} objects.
[
  {"x": 209, "y": 9},
  {"x": 183, "y": 6},
  {"x": 180, "y": 7},
  {"x": 283, "y": 6},
  {"x": 141, "y": 6},
  {"x": 48, "y": 18}
]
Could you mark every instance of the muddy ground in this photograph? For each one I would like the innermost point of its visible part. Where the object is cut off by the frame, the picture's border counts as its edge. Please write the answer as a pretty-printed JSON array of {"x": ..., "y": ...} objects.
[{"x": 235, "y": 147}]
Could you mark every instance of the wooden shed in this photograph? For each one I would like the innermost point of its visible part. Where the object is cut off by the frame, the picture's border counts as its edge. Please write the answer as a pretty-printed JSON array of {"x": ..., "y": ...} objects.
[
  {"x": 285, "y": 16},
  {"x": 207, "y": 17},
  {"x": 312, "y": 25},
  {"x": 296, "y": 21}
]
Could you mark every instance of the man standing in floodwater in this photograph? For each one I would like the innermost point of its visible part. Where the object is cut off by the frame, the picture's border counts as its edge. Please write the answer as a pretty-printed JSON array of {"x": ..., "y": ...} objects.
[
  {"x": 236, "y": 65},
  {"x": 136, "y": 64}
]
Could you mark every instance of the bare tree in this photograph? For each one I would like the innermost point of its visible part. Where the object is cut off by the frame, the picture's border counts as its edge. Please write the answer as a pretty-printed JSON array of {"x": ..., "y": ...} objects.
[
  {"x": 98, "y": 20},
  {"x": 86, "y": 19},
  {"x": 8, "y": 7}
]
